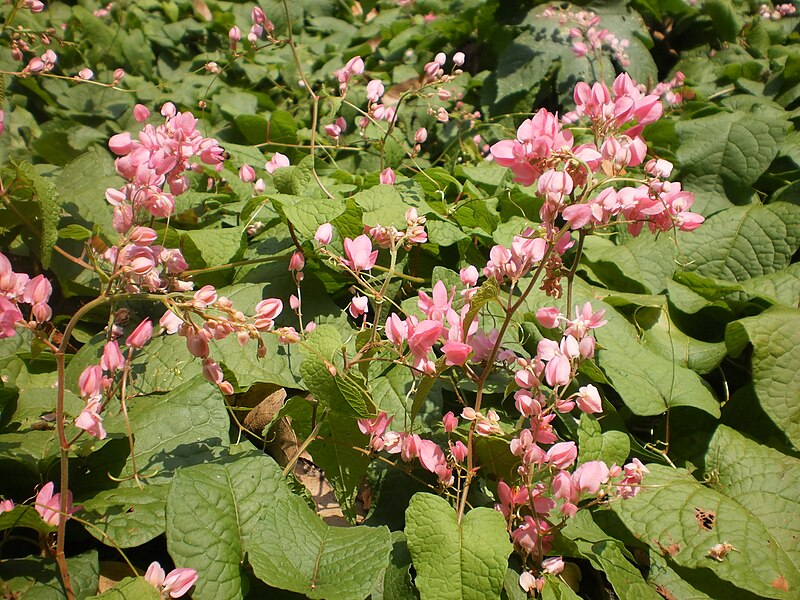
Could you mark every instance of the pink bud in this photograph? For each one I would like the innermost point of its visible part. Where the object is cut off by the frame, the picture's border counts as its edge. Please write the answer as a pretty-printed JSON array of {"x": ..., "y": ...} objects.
[
  {"x": 120, "y": 143},
  {"x": 257, "y": 15},
  {"x": 37, "y": 290},
  {"x": 112, "y": 358},
  {"x": 204, "y": 296},
  {"x": 450, "y": 422},
  {"x": 440, "y": 58},
  {"x": 358, "y": 306},
  {"x": 324, "y": 234},
  {"x": 141, "y": 113},
  {"x": 375, "y": 90},
  {"x": 387, "y": 176},
  {"x": 234, "y": 34},
  {"x": 118, "y": 74},
  {"x": 469, "y": 275},
  {"x": 548, "y": 316},
  {"x": 259, "y": 186},
  {"x": 297, "y": 261},
  {"x": 90, "y": 382},
  {"x": 141, "y": 335},
  {"x": 421, "y": 135},
  {"x": 85, "y": 74},
  {"x": 212, "y": 371},
  {"x": 294, "y": 302},
  {"x": 458, "y": 59},
  {"x": 168, "y": 110},
  {"x": 247, "y": 173},
  {"x": 441, "y": 115}
]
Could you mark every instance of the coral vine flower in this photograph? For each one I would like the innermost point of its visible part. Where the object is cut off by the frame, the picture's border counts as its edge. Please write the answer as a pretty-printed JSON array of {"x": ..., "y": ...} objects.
[
  {"x": 176, "y": 583},
  {"x": 48, "y": 505},
  {"x": 359, "y": 252}
]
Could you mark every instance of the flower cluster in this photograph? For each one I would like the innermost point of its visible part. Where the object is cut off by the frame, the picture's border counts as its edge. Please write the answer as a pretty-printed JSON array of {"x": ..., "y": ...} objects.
[
  {"x": 260, "y": 25},
  {"x": 154, "y": 164},
  {"x": 587, "y": 35},
  {"x": 16, "y": 288},
  {"x": 569, "y": 176},
  {"x": 776, "y": 14}
]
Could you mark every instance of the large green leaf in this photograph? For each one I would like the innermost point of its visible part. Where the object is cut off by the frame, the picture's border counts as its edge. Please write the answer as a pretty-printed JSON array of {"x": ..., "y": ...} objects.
[
  {"x": 128, "y": 516},
  {"x": 722, "y": 155},
  {"x": 775, "y": 336},
  {"x": 743, "y": 242},
  {"x": 34, "y": 578},
  {"x": 612, "y": 447},
  {"x": 24, "y": 516},
  {"x": 456, "y": 561},
  {"x": 681, "y": 517},
  {"x": 294, "y": 550},
  {"x": 213, "y": 513},
  {"x": 638, "y": 264},
  {"x": 46, "y": 198}
]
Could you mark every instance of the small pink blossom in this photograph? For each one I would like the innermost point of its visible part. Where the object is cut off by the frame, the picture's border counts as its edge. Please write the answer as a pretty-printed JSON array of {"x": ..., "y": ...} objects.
[
  {"x": 6, "y": 506},
  {"x": 85, "y": 74},
  {"x": 387, "y": 176},
  {"x": 48, "y": 505},
  {"x": 324, "y": 234},
  {"x": 278, "y": 161},
  {"x": 176, "y": 583},
  {"x": 589, "y": 476},
  {"x": 141, "y": 113},
  {"x": 90, "y": 420},
  {"x": 450, "y": 422},
  {"x": 358, "y": 306}
]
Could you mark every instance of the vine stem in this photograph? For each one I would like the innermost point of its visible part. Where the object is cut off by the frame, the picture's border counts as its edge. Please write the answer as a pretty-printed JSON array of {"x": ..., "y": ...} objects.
[{"x": 314, "y": 98}]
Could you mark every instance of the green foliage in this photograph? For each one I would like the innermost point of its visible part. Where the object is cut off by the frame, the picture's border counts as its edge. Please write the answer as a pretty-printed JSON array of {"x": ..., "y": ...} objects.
[{"x": 459, "y": 560}]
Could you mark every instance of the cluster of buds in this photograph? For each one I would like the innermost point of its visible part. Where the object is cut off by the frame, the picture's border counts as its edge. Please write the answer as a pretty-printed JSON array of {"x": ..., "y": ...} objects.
[
  {"x": 387, "y": 237},
  {"x": 260, "y": 25},
  {"x": 35, "y": 6},
  {"x": 97, "y": 383},
  {"x": 16, "y": 288},
  {"x": 248, "y": 174},
  {"x": 219, "y": 320},
  {"x": 143, "y": 265},
  {"x": 40, "y": 64},
  {"x": 666, "y": 90},
  {"x": 776, "y": 14},
  {"x": 104, "y": 11},
  {"x": 354, "y": 66},
  {"x": 586, "y": 35}
]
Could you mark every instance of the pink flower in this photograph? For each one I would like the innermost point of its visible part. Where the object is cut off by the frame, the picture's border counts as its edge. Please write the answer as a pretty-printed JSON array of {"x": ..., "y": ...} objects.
[
  {"x": 387, "y": 176},
  {"x": 562, "y": 455},
  {"x": 247, "y": 173},
  {"x": 360, "y": 254},
  {"x": 358, "y": 306},
  {"x": 90, "y": 381},
  {"x": 85, "y": 74},
  {"x": 588, "y": 399},
  {"x": 278, "y": 161},
  {"x": 90, "y": 420},
  {"x": 141, "y": 113},
  {"x": 297, "y": 261},
  {"x": 48, "y": 505},
  {"x": 337, "y": 128},
  {"x": 374, "y": 90},
  {"x": 176, "y": 583},
  {"x": 6, "y": 506},
  {"x": 9, "y": 317},
  {"x": 450, "y": 422},
  {"x": 456, "y": 353},
  {"x": 588, "y": 477},
  {"x": 112, "y": 358},
  {"x": 421, "y": 135},
  {"x": 324, "y": 234},
  {"x": 141, "y": 335},
  {"x": 459, "y": 451},
  {"x": 548, "y": 316},
  {"x": 458, "y": 59}
]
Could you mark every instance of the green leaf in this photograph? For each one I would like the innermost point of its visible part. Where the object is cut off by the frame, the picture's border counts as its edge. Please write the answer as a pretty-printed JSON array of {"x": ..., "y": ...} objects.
[
  {"x": 775, "y": 336},
  {"x": 74, "y": 232},
  {"x": 382, "y": 205},
  {"x": 213, "y": 247},
  {"x": 456, "y": 561},
  {"x": 45, "y": 196},
  {"x": 722, "y": 155},
  {"x": 130, "y": 588},
  {"x": 677, "y": 515},
  {"x": 294, "y": 550},
  {"x": 82, "y": 186},
  {"x": 488, "y": 291},
  {"x": 213, "y": 515},
  {"x": 130, "y": 516},
  {"x": 252, "y": 127},
  {"x": 612, "y": 447},
  {"x": 396, "y": 582},
  {"x": 724, "y": 18},
  {"x": 556, "y": 589},
  {"x": 24, "y": 516},
  {"x": 38, "y": 579},
  {"x": 307, "y": 214},
  {"x": 641, "y": 264},
  {"x": 743, "y": 242}
]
